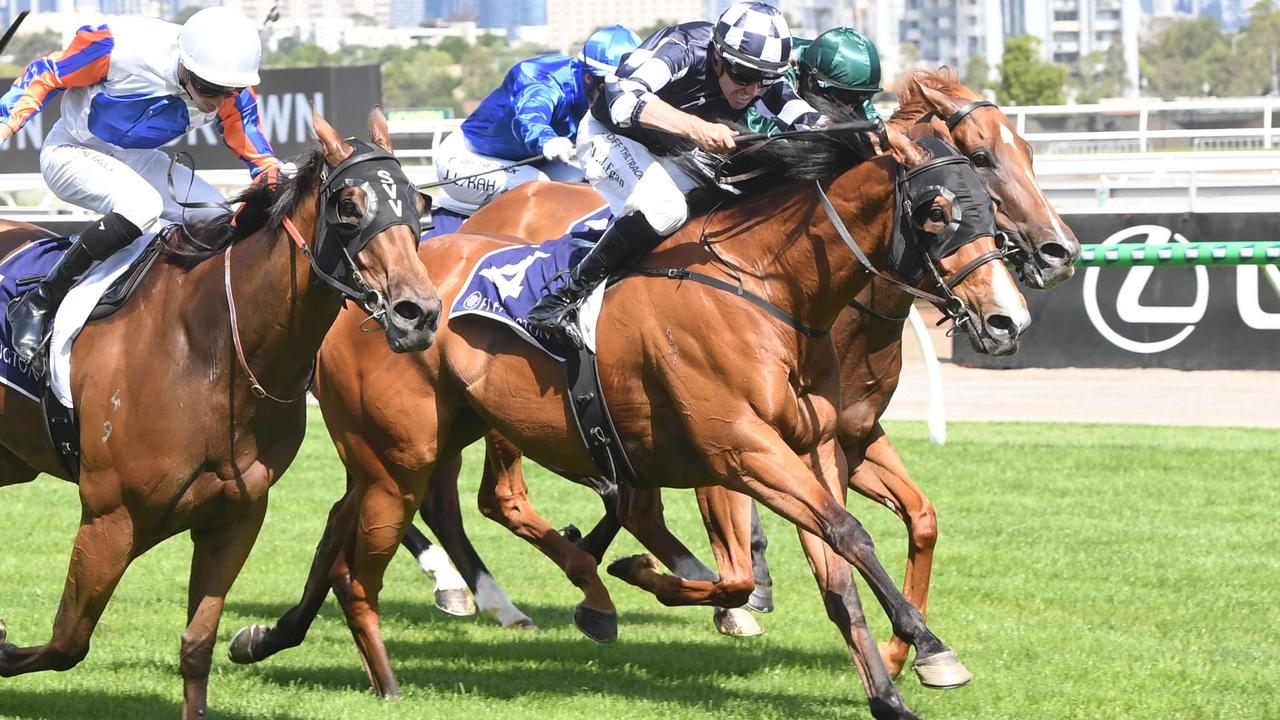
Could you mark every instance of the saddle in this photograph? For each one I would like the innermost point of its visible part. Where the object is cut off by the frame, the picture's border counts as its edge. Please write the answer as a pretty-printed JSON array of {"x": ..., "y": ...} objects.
[{"x": 61, "y": 423}]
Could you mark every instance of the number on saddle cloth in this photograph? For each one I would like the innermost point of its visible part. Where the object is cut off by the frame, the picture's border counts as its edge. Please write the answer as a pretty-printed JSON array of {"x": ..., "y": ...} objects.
[{"x": 507, "y": 282}]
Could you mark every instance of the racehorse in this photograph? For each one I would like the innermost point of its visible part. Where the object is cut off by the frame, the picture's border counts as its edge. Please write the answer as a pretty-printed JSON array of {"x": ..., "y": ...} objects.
[
  {"x": 867, "y": 335},
  {"x": 183, "y": 425},
  {"x": 739, "y": 415}
]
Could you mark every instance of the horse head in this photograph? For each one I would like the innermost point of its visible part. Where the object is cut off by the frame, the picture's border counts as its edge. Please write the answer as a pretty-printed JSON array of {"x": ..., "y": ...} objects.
[
  {"x": 368, "y": 221},
  {"x": 1043, "y": 248},
  {"x": 945, "y": 239}
]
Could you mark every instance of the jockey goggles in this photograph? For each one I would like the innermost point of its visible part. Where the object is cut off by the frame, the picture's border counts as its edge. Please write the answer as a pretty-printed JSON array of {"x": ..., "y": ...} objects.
[
  {"x": 744, "y": 75},
  {"x": 208, "y": 89}
]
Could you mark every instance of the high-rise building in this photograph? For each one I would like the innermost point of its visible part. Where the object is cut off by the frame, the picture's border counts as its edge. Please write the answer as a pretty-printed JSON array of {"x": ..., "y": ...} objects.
[
  {"x": 492, "y": 14},
  {"x": 1071, "y": 29},
  {"x": 950, "y": 33}
]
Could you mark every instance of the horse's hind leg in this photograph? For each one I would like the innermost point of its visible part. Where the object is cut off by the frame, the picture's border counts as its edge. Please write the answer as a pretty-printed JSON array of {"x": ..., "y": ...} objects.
[
  {"x": 103, "y": 549},
  {"x": 216, "y": 560},
  {"x": 254, "y": 643},
  {"x": 881, "y": 476},
  {"x": 761, "y": 599},
  {"x": 442, "y": 512},
  {"x": 504, "y": 498},
  {"x": 451, "y": 584}
]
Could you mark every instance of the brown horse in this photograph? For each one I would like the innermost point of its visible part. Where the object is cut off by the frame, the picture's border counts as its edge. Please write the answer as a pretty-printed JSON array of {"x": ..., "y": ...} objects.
[
  {"x": 867, "y": 335},
  {"x": 740, "y": 414},
  {"x": 178, "y": 433}
]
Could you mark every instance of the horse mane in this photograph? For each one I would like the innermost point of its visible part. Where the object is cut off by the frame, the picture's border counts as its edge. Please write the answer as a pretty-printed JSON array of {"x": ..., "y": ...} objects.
[
  {"x": 913, "y": 105},
  {"x": 805, "y": 157},
  {"x": 263, "y": 207}
]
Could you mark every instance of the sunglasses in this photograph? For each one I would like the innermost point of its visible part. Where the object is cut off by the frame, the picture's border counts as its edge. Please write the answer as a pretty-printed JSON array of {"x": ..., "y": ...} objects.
[
  {"x": 208, "y": 89},
  {"x": 744, "y": 76}
]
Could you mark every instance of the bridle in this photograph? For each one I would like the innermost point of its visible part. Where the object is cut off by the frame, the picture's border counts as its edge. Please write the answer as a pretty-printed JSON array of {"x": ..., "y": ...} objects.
[{"x": 369, "y": 168}]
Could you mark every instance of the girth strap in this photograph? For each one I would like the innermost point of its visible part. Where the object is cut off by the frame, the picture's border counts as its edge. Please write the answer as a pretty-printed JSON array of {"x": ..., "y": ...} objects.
[{"x": 717, "y": 283}]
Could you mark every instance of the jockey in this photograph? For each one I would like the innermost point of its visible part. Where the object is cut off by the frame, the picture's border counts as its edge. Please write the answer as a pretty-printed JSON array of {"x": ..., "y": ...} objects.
[
  {"x": 682, "y": 84},
  {"x": 130, "y": 88},
  {"x": 837, "y": 72},
  {"x": 535, "y": 112}
]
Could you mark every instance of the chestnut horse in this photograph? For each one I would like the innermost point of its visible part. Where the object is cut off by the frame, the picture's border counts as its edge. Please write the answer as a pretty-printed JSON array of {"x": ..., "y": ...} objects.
[
  {"x": 699, "y": 405},
  {"x": 867, "y": 335},
  {"x": 182, "y": 384}
]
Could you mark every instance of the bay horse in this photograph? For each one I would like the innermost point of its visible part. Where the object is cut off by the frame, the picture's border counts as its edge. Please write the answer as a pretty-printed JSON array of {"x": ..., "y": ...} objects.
[
  {"x": 867, "y": 335},
  {"x": 739, "y": 415},
  {"x": 178, "y": 396}
]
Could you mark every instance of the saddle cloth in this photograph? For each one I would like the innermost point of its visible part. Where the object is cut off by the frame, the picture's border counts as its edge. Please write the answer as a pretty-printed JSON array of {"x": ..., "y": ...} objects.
[
  {"x": 36, "y": 259},
  {"x": 507, "y": 282}
]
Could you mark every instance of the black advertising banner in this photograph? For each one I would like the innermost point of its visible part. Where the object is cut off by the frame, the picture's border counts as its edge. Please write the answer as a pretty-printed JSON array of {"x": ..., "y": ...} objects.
[
  {"x": 1188, "y": 318},
  {"x": 343, "y": 95}
]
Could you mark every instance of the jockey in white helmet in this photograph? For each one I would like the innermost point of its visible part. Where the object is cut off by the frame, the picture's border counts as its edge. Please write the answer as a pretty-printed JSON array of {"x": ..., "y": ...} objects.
[
  {"x": 130, "y": 88},
  {"x": 676, "y": 90}
]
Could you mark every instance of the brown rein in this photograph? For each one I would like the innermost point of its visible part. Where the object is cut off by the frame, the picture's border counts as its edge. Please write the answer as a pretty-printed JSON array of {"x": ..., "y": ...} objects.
[{"x": 256, "y": 388}]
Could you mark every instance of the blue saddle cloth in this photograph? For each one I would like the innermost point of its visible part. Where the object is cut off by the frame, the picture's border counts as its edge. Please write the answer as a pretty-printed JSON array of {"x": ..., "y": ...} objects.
[
  {"x": 443, "y": 222},
  {"x": 507, "y": 282},
  {"x": 34, "y": 260}
]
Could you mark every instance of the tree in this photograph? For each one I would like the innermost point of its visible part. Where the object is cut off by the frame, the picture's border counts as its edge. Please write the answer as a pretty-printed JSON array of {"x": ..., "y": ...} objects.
[
  {"x": 1087, "y": 81},
  {"x": 1188, "y": 58},
  {"x": 1026, "y": 78},
  {"x": 1253, "y": 59},
  {"x": 648, "y": 30},
  {"x": 25, "y": 47},
  {"x": 977, "y": 75}
]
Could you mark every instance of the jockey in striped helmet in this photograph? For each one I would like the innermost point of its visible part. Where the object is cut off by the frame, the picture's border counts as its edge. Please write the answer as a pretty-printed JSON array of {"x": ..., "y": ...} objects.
[
  {"x": 674, "y": 93},
  {"x": 535, "y": 112}
]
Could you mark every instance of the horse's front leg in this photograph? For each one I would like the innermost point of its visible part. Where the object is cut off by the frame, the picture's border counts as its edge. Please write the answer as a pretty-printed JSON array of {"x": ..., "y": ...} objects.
[
  {"x": 879, "y": 474},
  {"x": 790, "y": 486},
  {"x": 727, "y": 517},
  {"x": 216, "y": 560},
  {"x": 103, "y": 550}
]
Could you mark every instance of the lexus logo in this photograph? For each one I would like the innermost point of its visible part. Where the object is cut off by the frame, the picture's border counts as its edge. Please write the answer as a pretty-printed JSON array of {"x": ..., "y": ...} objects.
[{"x": 1182, "y": 320}]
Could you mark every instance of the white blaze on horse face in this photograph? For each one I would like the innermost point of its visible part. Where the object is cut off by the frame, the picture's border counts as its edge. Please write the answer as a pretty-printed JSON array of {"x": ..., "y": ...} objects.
[
  {"x": 1006, "y": 136},
  {"x": 1008, "y": 300}
]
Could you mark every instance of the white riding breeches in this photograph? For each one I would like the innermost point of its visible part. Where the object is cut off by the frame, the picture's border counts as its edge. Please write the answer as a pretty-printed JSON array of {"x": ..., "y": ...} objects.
[
  {"x": 456, "y": 158},
  {"x": 129, "y": 181},
  {"x": 631, "y": 179}
]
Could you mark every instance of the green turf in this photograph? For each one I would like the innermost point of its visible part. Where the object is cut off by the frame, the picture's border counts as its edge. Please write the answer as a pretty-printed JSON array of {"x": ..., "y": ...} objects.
[{"x": 1083, "y": 572}]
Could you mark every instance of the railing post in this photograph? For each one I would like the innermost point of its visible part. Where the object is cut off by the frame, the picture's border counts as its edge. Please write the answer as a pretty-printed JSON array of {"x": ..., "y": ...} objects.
[
  {"x": 1142, "y": 130},
  {"x": 1267, "y": 109}
]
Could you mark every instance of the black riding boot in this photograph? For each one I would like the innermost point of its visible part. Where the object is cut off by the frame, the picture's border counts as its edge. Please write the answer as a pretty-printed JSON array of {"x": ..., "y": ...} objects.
[
  {"x": 630, "y": 238},
  {"x": 29, "y": 313}
]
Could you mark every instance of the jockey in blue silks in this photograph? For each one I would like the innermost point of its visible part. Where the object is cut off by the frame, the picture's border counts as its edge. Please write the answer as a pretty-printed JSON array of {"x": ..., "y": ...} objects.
[{"x": 535, "y": 112}]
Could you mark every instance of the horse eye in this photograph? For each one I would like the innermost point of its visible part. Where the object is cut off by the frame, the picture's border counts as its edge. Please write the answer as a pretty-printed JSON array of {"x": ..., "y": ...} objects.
[
  {"x": 347, "y": 208},
  {"x": 937, "y": 215},
  {"x": 981, "y": 159}
]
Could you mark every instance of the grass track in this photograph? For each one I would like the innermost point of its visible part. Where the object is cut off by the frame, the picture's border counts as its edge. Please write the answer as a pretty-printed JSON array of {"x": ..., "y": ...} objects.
[{"x": 1083, "y": 572}]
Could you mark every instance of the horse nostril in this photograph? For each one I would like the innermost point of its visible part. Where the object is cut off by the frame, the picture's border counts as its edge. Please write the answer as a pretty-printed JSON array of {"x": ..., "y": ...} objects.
[
  {"x": 1055, "y": 253},
  {"x": 408, "y": 310},
  {"x": 1002, "y": 324}
]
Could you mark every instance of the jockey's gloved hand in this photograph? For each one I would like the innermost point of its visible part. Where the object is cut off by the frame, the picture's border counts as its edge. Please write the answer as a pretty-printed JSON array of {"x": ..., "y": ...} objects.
[{"x": 559, "y": 149}]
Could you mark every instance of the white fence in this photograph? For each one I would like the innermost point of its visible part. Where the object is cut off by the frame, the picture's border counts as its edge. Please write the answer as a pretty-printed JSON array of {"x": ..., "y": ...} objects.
[{"x": 1125, "y": 156}]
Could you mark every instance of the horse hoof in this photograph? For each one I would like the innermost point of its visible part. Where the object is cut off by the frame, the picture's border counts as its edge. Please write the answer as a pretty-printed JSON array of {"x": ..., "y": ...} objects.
[
  {"x": 599, "y": 625},
  {"x": 571, "y": 533},
  {"x": 943, "y": 670},
  {"x": 456, "y": 602},
  {"x": 246, "y": 639},
  {"x": 520, "y": 623},
  {"x": 761, "y": 599},
  {"x": 626, "y": 567},
  {"x": 736, "y": 622}
]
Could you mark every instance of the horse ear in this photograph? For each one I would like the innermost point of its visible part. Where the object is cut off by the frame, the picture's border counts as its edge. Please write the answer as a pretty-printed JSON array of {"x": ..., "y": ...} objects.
[
  {"x": 378, "y": 133},
  {"x": 904, "y": 150},
  {"x": 335, "y": 148},
  {"x": 941, "y": 103}
]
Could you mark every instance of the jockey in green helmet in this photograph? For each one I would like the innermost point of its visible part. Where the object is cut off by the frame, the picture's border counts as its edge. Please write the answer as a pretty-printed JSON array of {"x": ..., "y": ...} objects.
[{"x": 837, "y": 72}]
